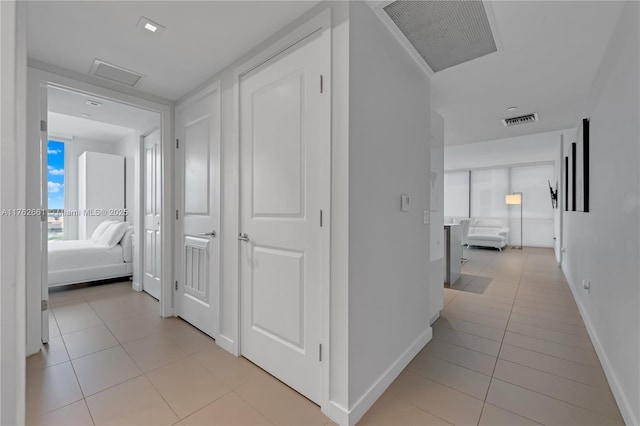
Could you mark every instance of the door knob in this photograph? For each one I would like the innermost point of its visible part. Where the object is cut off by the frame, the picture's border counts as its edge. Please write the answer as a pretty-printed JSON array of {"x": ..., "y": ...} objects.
[
  {"x": 243, "y": 237},
  {"x": 208, "y": 234}
]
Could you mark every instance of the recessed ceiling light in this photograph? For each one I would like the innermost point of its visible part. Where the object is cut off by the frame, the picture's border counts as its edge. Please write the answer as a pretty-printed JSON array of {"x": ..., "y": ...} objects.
[
  {"x": 86, "y": 115},
  {"x": 94, "y": 104},
  {"x": 513, "y": 108},
  {"x": 148, "y": 25}
]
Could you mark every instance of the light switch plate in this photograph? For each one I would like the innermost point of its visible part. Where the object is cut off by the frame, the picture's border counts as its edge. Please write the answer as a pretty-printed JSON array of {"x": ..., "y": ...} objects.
[
  {"x": 425, "y": 217},
  {"x": 405, "y": 203}
]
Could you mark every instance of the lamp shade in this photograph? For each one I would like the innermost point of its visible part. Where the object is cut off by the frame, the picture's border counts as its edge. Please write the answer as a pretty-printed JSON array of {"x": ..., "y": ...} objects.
[{"x": 513, "y": 199}]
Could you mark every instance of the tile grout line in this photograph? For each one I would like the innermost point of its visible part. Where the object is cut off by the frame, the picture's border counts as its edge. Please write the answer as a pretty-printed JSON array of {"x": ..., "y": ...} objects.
[
  {"x": 420, "y": 408},
  {"x": 554, "y": 398},
  {"x": 84, "y": 397},
  {"x": 75, "y": 374},
  {"x": 417, "y": 373},
  {"x": 503, "y": 336},
  {"x": 547, "y": 340},
  {"x": 555, "y": 375},
  {"x": 544, "y": 353},
  {"x": 540, "y": 393}
]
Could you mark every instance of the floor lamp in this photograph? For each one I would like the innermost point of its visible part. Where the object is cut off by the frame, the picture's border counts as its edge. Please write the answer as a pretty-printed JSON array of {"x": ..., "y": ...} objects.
[{"x": 516, "y": 198}]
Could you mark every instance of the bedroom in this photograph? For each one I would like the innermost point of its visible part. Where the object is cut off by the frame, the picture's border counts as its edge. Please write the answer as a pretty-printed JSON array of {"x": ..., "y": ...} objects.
[{"x": 97, "y": 150}]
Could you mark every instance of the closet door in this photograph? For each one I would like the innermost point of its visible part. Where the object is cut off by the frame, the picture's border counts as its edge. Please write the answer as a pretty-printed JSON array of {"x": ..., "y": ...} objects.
[
  {"x": 198, "y": 200},
  {"x": 151, "y": 252}
]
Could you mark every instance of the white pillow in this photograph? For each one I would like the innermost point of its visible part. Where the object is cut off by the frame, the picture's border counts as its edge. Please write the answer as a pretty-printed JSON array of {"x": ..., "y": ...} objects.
[
  {"x": 100, "y": 230},
  {"x": 113, "y": 234}
]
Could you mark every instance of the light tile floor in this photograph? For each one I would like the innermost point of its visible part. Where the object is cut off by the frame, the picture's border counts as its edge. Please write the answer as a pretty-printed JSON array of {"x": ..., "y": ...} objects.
[{"x": 509, "y": 349}]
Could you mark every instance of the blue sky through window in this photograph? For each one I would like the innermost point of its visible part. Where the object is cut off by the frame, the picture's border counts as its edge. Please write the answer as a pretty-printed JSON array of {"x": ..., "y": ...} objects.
[{"x": 55, "y": 174}]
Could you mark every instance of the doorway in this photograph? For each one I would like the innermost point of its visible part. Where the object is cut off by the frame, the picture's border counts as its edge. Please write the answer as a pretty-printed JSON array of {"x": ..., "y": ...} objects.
[{"x": 93, "y": 190}]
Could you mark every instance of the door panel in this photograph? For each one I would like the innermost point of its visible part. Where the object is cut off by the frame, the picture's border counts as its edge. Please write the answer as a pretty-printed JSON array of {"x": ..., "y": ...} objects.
[
  {"x": 152, "y": 206},
  {"x": 278, "y": 149},
  {"x": 198, "y": 180},
  {"x": 284, "y": 134},
  {"x": 196, "y": 174},
  {"x": 281, "y": 272}
]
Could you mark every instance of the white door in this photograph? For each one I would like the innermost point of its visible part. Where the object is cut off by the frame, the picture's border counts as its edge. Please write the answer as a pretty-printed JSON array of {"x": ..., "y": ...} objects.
[
  {"x": 151, "y": 252},
  {"x": 284, "y": 139},
  {"x": 198, "y": 180}
]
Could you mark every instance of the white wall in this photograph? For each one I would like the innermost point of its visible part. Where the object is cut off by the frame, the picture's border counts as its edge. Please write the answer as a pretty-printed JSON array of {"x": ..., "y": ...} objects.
[
  {"x": 602, "y": 245},
  {"x": 12, "y": 228},
  {"x": 336, "y": 334},
  {"x": 389, "y": 150},
  {"x": 436, "y": 217},
  {"x": 126, "y": 147}
]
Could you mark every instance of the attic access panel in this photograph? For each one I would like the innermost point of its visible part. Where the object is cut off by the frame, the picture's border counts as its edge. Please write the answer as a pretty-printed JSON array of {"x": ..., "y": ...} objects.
[{"x": 444, "y": 33}]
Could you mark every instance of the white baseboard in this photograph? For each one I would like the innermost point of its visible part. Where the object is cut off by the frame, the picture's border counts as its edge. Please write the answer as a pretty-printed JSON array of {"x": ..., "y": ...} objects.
[
  {"x": 623, "y": 403},
  {"x": 377, "y": 389},
  {"x": 136, "y": 286},
  {"x": 225, "y": 343},
  {"x": 336, "y": 413}
]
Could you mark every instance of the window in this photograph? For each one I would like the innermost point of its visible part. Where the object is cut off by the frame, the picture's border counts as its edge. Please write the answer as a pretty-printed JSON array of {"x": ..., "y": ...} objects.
[
  {"x": 488, "y": 188},
  {"x": 55, "y": 189},
  {"x": 486, "y": 198},
  {"x": 456, "y": 194}
]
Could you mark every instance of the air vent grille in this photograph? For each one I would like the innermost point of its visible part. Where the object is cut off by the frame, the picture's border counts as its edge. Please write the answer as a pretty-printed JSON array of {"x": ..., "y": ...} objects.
[
  {"x": 523, "y": 119},
  {"x": 444, "y": 33},
  {"x": 115, "y": 73}
]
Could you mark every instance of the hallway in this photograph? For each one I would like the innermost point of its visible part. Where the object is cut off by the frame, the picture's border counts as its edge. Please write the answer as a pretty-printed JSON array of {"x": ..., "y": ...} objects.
[{"x": 509, "y": 349}]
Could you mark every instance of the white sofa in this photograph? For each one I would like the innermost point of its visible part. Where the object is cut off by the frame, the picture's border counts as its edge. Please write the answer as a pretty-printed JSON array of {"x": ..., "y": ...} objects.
[{"x": 488, "y": 233}]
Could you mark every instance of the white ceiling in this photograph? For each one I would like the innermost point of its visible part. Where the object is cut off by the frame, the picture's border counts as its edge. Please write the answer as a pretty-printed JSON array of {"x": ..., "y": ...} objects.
[
  {"x": 548, "y": 53},
  {"x": 74, "y": 103},
  {"x": 200, "y": 38},
  {"x": 547, "y": 63},
  {"x": 68, "y": 126},
  {"x": 109, "y": 122}
]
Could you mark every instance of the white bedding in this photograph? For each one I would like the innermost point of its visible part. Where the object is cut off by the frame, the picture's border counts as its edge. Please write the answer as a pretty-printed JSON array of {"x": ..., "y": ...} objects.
[{"x": 73, "y": 254}]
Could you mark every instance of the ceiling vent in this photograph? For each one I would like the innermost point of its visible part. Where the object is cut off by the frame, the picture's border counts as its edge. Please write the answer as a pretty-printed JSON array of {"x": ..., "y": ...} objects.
[
  {"x": 115, "y": 73},
  {"x": 444, "y": 33},
  {"x": 523, "y": 119}
]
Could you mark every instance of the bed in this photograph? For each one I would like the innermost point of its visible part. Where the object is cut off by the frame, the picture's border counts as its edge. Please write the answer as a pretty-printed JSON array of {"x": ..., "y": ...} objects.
[{"x": 80, "y": 261}]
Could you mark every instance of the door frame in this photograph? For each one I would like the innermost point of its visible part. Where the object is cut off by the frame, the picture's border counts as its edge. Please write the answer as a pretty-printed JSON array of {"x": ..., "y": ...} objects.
[
  {"x": 45, "y": 79},
  {"x": 321, "y": 24},
  {"x": 179, "y": 200}
]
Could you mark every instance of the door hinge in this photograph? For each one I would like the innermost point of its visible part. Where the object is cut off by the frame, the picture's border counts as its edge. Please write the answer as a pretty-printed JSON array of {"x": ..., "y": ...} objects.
[
  {"x": 176, "y": 285},
  {"x": 320, "y": 218},
  {"x": 177, "y": 143},
  {"x": 320, "y": 352},
  {"x": 321, "y": 84},
  {"x": 177, "y": 215},
  {"x": 44, "y": 305},
  {"x": 43, "y": 126}
]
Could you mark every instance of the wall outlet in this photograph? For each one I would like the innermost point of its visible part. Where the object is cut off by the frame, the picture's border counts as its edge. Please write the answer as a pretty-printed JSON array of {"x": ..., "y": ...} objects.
[{"x": 586, "y": 284}]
